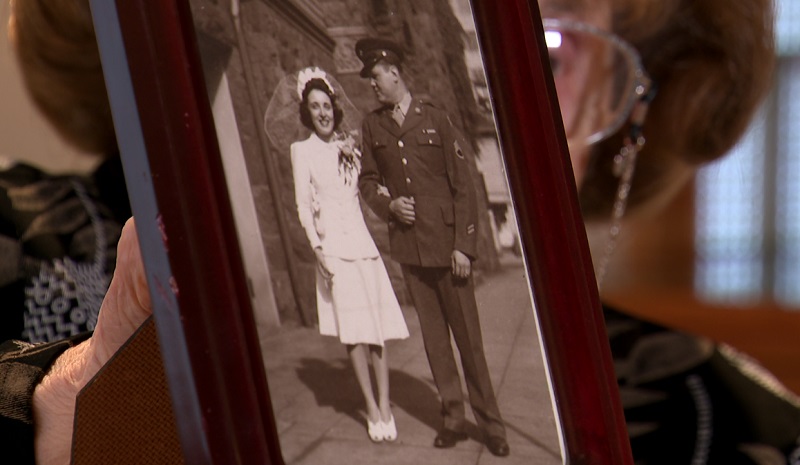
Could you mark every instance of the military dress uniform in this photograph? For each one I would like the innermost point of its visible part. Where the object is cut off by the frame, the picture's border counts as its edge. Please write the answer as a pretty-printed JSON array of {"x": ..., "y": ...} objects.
[{"x": 423, "y": 159}]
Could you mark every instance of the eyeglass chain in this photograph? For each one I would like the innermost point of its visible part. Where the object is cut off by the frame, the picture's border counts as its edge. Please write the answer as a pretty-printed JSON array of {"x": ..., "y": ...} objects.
[{"x": 623, "y": 168}]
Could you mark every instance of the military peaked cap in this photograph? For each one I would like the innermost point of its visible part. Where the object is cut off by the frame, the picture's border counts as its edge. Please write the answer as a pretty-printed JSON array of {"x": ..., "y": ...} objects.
[{"x": 372, "y": 50}]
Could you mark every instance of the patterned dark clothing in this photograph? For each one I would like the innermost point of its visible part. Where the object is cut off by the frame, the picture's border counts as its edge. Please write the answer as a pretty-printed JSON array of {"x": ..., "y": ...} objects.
[
  {"x": 57, "y": 249},
  {"x": 57, "y": 253},
  {"x": 688, "y": 401}
]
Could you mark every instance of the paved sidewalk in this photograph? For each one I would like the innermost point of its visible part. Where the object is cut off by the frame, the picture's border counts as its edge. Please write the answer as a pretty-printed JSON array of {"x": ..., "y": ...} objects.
[{"x": 320, "y": 413}]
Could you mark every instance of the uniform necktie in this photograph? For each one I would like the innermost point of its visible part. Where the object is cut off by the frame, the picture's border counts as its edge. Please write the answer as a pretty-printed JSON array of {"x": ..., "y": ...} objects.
[{"x": 397, "y": 115}]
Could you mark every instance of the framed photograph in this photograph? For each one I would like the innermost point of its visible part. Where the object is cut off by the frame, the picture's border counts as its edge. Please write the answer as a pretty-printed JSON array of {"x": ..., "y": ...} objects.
[{"x": 361, "y": 232}]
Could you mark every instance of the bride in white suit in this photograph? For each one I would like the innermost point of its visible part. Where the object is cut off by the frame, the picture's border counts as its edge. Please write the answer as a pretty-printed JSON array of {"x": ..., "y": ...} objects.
[{"x": 355, "y": 299}]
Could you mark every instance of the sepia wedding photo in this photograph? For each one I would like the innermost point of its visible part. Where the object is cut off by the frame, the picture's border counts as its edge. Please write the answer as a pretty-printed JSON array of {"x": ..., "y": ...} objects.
[{"x": 377, "y": 230}]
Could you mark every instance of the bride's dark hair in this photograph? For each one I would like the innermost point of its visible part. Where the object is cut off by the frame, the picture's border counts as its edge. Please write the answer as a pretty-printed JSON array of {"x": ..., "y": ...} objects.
[{"x": 305, "y": 113}]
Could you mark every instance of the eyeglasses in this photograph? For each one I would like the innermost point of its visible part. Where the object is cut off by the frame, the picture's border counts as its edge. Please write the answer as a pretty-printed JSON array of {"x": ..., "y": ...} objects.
[{"x": 599, "y": 78}]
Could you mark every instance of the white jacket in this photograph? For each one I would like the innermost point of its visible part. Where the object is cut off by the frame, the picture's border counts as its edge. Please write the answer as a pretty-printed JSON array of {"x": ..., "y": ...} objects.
[{"x": 328, "y": 207}]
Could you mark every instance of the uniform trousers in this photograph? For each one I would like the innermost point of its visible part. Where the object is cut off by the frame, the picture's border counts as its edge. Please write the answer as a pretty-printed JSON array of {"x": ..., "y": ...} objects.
[{"x": 445, "y": 303}]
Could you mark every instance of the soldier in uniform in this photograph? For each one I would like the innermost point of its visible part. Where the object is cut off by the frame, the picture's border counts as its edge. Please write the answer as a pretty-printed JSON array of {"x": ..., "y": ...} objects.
[{"x": 411, "y": 147}]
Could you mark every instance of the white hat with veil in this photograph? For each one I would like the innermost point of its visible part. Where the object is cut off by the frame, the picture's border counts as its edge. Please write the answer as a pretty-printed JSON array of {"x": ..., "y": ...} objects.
[{"x": 282, "y": 118}]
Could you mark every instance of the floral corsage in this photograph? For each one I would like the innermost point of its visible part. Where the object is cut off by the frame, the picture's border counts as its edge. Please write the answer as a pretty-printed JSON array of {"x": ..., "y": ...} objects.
[{"x": 349, "y": 156}]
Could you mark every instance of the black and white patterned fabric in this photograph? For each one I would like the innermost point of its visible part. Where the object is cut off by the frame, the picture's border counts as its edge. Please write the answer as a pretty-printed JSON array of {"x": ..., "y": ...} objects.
[
  {"x": 689, "y": 401},
  {"x": 57, "y": 249},
  {"x": 57, "y": 254}
]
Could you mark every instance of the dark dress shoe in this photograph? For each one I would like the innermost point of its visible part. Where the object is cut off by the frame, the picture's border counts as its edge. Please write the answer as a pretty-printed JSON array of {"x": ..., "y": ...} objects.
[
  {"x": 498, "y": 446},
  {"x": 448, "y": 438}
]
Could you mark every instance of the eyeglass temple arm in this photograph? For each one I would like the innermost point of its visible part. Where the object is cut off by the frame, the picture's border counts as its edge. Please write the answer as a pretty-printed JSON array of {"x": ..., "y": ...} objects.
[{"x": 639, "y": 112}]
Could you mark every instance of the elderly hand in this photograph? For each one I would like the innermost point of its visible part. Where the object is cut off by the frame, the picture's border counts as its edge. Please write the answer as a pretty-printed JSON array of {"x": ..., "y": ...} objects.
[{"x": 125, "y": 307}]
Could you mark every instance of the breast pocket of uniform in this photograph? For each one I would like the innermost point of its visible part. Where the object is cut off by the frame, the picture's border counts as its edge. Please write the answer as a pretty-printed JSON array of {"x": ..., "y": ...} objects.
[
  {"x": 431, "y": 140},
  {"x": 378, "y": 145}
]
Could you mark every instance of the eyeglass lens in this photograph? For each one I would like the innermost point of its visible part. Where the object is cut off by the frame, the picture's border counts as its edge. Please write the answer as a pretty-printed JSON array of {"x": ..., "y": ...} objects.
[{"x": 595, "y": 78}]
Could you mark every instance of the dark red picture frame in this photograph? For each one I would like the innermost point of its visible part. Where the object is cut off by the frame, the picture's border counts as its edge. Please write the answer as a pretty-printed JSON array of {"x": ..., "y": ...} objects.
[{"x": 205, "y": 323}]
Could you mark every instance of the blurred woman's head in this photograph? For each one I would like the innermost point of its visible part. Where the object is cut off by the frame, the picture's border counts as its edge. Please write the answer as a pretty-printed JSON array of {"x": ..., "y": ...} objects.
[
  {"x": 57, "y": 51},
  {"x": 712, "y": 61}
]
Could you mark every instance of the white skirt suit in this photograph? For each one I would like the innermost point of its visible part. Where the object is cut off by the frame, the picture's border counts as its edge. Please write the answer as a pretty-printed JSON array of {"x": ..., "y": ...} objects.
[{"x": 358, "y": 305}]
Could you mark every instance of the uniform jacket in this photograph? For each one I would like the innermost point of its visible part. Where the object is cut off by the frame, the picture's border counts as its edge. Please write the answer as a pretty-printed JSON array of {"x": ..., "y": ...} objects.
[{"x": 424, "y": 160}]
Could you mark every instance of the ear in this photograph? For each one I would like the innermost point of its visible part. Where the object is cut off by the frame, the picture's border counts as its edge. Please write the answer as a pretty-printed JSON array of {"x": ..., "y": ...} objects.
[{"x": 395, "y": 71}]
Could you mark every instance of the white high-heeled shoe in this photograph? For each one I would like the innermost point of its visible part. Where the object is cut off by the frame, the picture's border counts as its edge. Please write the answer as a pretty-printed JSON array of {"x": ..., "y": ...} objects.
[
  {"x": 375, "y": 430},
  {"x": 389, "y": 429}
]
